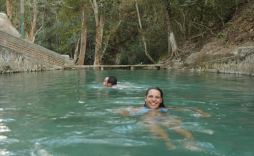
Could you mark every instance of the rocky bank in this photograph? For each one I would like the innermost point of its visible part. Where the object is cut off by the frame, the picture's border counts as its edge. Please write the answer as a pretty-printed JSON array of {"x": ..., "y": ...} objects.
[{"x": 223, "y": 49}]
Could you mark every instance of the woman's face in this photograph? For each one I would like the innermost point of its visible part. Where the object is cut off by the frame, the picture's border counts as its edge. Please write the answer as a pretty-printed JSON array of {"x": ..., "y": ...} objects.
[{"x": 153, "y": 99}]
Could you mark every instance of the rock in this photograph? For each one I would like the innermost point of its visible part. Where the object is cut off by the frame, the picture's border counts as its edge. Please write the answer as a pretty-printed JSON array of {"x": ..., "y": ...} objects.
[
  {"x": 244, "y": 50},
  {"x": 67, "y": 60},
  {"x": 176, "y": 64},
  {"x": 6, "y": 26},
  {"x": 191, "y": 59}
]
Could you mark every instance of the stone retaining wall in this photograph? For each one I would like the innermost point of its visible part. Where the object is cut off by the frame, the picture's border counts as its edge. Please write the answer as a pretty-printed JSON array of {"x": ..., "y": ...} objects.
[
  {"x": 243, "y": 63},
  {"x": 19, "y": 55}
]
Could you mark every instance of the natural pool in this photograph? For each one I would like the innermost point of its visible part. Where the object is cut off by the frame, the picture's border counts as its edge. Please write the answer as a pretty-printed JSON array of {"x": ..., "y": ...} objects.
[{"x": 68, "y": 113}]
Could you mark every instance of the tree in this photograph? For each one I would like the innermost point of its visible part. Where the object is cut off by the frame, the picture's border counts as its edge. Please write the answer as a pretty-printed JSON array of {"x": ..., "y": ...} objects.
[
  {"x": 142, "y": 34},
  {"x": 8, "y": 4},
  {"x": 32, "y": 33},
  {"x": 108, "y": 38},
  {"x": 99, "y": 21},
  {"x": 83, "y": 35},
  {"x": 172, "y": 44},
  {"x": 113, "y": 33},
  {"x": 73, "y": 28}
]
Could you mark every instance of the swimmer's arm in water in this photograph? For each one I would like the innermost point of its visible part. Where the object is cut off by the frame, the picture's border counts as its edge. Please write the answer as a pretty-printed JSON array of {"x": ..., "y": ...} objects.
[
  {"x": 120, "y": 86},
  {"x": 125, "y": 111},
  {"x": 202, "y": 114}
]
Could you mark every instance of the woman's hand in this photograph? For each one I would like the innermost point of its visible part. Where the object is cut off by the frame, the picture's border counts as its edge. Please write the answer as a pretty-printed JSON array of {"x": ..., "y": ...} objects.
[{"x": 205, "y": 115}]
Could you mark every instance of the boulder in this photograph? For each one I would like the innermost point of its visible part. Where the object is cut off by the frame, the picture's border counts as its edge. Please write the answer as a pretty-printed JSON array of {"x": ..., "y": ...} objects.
[
  {"x": 6, "y": 26},
  {"x": 192, "y": 59}
]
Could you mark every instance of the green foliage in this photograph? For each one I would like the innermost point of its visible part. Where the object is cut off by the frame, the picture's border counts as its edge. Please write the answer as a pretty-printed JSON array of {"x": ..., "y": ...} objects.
[
  {"x": 2, "y": 7},
  {"x": 61, "y": 24},
  {"x": 133, "y": 53},
  {"x": 223, "y": 36}
]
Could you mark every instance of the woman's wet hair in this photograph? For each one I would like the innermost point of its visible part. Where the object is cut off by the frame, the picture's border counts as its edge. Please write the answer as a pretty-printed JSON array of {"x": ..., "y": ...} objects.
[{"x": 156, "y": 88}]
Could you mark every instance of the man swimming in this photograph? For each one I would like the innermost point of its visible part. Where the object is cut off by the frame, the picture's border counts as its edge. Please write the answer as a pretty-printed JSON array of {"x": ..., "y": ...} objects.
[{"x": 110, "y": 81}]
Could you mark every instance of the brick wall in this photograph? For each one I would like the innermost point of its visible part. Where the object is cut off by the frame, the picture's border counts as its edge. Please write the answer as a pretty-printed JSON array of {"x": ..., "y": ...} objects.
[{"x": 29, "y": 49}]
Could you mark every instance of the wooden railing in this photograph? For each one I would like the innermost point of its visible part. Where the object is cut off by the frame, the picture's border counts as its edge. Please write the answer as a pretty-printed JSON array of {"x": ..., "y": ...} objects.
[{"x": 102, "y": 67}]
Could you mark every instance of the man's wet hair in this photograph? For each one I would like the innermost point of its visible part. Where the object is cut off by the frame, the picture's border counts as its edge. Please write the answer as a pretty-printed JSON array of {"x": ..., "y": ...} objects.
[{"x": 112, "y": 80}]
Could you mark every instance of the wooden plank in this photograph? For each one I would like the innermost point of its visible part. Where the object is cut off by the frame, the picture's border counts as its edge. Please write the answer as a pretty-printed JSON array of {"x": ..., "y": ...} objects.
[{"x": 112, "y": 66}]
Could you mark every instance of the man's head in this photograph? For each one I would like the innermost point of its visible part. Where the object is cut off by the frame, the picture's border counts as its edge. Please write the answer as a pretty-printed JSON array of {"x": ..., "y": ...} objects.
[
  {"x": 105, "y": 82},
  {"x": 110, "y": 81}
]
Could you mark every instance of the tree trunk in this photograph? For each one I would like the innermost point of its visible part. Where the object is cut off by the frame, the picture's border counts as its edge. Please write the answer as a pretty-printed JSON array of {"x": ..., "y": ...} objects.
[
  {"x": 33, "y": 26},
  {"x": 83, "y": 36},
  {"x": 9, "y": 9},
  {"x": 99, "y": 20},
  {"x": 142, "y": 34},
  {"x": 76, "y": 53},
  {"x": 172, "y": 44}
]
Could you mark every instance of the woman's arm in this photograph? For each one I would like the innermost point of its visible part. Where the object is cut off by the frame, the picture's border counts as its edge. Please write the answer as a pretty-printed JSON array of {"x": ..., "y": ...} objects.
[
  {"x": 125, "y": 111},
  {"x": 202, "y": 114}
]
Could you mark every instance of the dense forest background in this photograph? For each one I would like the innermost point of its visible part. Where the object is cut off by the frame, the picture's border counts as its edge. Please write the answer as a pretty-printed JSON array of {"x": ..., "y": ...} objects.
[{"x": 122, "y": 31}]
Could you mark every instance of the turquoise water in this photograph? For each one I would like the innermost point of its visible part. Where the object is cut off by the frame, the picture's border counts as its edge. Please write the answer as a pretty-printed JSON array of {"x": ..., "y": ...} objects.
[{"x": 69, "y": 113}]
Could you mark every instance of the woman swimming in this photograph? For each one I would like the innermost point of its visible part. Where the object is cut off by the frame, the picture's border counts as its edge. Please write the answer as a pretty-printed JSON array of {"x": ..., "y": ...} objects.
[{"x": 154, "y": 116}]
